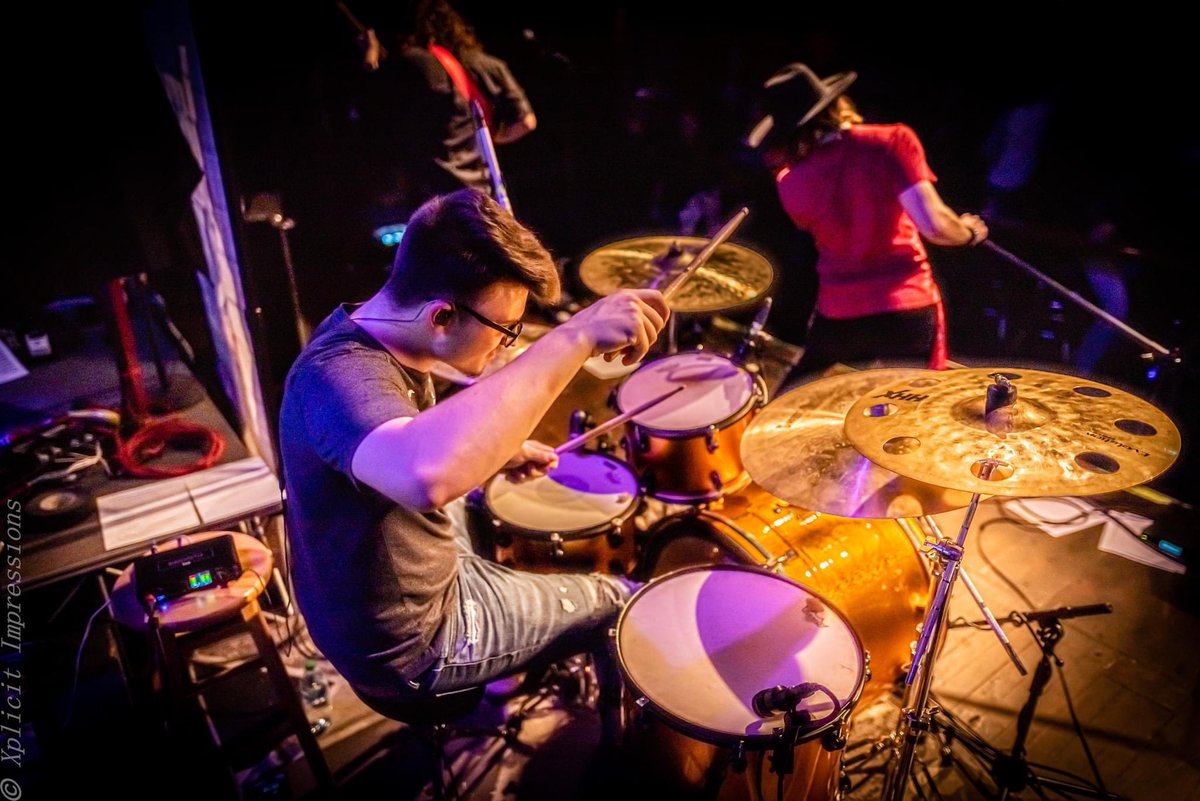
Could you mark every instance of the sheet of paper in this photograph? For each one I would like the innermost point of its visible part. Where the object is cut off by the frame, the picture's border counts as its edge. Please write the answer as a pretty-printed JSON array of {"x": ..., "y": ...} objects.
[
  {"x": 187, "y": 503},
  {"x": 155, "y": 510},
  {"x": 10, "y": 367},
  {"x": 1116, "y": 539},
  {"x": 1055, "y": 516},
  {"x": 231, "y": 490}
]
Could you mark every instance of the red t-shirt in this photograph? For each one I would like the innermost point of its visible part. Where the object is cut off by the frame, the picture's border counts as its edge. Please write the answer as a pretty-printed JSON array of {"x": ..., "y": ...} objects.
[{"x": 846, "y": 194}]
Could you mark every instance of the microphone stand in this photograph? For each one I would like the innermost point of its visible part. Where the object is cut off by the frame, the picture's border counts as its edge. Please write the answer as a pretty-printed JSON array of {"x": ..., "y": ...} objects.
[
  {"x": 484, "y": 137},
  {"x": 1011, "y": 770},
  {"x": 1170, "y": 357}
]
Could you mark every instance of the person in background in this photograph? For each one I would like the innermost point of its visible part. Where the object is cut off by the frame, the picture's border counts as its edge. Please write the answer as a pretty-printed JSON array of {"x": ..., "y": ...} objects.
[
  {"x": 866, "y": 195},
  {"x": 416, "y": 109}
]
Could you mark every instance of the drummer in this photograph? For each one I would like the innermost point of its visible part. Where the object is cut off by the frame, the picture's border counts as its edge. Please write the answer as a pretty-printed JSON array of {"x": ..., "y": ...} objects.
[{"x": 385, "y": 575}]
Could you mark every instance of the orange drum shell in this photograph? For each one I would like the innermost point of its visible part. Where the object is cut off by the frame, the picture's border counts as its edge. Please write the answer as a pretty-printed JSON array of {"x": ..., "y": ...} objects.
[
  {"x": 613, "y": 552},
  {"x": 870, "y": 569},
  {"x": 680, "y": 467},
  {"x": 672, "y": 765}
]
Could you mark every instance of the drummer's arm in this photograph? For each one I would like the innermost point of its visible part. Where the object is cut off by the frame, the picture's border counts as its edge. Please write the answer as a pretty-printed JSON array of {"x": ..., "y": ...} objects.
[{"x": 453, "y": 447}]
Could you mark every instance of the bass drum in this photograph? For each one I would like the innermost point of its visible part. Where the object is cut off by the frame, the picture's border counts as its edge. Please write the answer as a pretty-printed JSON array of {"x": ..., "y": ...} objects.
[
  {"x": 871, "y": 569},
  {"x": 696, "y": 647}
]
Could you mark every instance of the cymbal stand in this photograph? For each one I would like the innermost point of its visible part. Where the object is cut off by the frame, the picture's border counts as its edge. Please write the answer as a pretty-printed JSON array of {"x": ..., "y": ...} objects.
[
  {"x": 995, "y": 626},
  {"x": 916, "y": 718}
]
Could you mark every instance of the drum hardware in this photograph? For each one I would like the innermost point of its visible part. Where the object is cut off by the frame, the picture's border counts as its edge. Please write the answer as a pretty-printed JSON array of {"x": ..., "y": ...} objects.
[
  {"x": 1008, "y": 432},
  {"x": 751, "y": 342}
]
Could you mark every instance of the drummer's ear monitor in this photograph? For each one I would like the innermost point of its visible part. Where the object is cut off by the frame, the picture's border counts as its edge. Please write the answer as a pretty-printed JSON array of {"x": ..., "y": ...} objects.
[{"x": 442, "y": 317}]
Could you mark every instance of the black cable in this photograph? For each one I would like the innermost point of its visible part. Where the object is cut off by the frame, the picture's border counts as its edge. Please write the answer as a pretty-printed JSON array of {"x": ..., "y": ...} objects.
[{"x": 1000, "y": 573}]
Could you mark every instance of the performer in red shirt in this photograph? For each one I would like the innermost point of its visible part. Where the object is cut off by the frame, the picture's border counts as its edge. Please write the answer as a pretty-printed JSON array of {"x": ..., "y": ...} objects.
[{"x": 866, "y": 195}]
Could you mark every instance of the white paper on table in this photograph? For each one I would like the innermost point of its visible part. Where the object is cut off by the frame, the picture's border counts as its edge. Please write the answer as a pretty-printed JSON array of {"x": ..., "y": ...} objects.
[
  {"x": 233, "y": 489},
  {"x": 1116, "y": 540},
  {"x": 10, "y": 367},
  {"x": 145, "y": 513},
  {"x": 1056, "y": 516}
]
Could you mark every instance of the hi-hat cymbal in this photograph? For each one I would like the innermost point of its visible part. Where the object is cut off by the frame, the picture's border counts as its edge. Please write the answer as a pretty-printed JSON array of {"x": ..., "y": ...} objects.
[
  {"x": 1064, "y": 435},
  {"x": 796, "y": 449},
  {"x": 733, "y": 276}
]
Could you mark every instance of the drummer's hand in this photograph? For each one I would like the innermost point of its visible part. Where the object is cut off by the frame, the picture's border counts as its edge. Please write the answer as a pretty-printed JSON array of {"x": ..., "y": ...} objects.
[
  {"x": 625, "y": 323},
  {"x": 533, "y": 460}
]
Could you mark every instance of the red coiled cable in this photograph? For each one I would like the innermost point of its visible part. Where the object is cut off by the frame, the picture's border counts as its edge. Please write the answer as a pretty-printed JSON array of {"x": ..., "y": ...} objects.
[{"x": 150, "y": 441}]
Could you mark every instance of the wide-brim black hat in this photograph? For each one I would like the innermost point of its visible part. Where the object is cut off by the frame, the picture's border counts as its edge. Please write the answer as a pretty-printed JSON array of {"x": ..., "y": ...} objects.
[{"x": 792, "y": 97}]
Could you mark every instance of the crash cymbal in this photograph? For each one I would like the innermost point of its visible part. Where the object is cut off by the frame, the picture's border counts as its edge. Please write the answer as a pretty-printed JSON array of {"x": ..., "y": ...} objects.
[
  {"x": 733, "y": 276},
  {"x": 796, "y": 449},
  {"x": 1063, "y": 435}
]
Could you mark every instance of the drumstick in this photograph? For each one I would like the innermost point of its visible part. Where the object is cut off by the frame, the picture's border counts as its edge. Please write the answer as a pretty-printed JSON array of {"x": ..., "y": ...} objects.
[
  {"x": 701, "y": 257},
  {"x": 609, "y": 425}
]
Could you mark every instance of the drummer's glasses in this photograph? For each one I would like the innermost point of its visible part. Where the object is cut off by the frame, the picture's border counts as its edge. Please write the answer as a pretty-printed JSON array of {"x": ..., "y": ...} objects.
[{"x": 510, "y": 332}]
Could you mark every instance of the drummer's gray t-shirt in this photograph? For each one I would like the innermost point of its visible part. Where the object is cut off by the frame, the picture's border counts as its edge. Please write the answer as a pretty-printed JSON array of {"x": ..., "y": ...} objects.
[{"x": 373, "y": 578}]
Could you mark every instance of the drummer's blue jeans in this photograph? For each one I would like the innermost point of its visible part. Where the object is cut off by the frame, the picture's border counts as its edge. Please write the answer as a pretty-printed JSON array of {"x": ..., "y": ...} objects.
[{"x": 508, "y": 621}]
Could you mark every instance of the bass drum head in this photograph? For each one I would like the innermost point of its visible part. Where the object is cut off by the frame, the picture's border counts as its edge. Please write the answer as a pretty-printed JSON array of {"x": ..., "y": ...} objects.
[{"x": 699, "y": 643}]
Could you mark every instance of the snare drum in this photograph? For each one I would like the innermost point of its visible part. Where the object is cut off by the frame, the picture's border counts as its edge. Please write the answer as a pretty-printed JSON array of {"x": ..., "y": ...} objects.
[
  {"x": 687, "y": 449},
  {"x": 577, "y": 517},
  {"x": 695, "y": 646}
]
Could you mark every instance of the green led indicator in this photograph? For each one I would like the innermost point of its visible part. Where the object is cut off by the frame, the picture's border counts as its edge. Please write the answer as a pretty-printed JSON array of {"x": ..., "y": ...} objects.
[{"x": 198, "y": 580}]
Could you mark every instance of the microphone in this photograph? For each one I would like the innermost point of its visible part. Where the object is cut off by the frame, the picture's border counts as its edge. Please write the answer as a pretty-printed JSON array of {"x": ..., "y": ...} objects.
[
  {"x": 780, "y": 698},
  {"x": 1065, "y": 612},
  {"x": 756, "y": 327}
]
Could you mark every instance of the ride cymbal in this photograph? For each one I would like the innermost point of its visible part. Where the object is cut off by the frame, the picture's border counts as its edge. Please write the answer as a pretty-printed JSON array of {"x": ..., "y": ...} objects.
[
  {"x": 1060, "y": 435},
  {"x": 796, "y": 449},
  {"x": 733, "y": 276}
]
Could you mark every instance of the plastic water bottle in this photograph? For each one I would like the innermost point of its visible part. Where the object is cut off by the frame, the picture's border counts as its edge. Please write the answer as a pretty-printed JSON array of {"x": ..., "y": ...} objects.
[{"x": 314, "y": 687}]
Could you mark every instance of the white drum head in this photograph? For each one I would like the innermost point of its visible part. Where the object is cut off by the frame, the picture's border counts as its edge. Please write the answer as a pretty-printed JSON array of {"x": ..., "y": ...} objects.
[
  {"x": 715, "y": 389},
  {"x": 699, "y": 643},
  {"x": 585, "y": 490}
]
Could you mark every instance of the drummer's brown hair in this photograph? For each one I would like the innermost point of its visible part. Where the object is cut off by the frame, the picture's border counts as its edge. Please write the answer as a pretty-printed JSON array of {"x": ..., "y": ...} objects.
[{"x": 459, "y": 244}]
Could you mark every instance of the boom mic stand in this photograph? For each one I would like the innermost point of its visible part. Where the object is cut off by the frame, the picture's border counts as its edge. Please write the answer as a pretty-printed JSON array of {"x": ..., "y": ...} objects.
[
  {"x": 1011, "y": 770},
  {"x": 1170, "y": 357}
]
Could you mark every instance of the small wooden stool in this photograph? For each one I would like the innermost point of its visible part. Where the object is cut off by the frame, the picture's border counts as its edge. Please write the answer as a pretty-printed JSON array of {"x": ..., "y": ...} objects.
[{"x": 201, "y": 618}]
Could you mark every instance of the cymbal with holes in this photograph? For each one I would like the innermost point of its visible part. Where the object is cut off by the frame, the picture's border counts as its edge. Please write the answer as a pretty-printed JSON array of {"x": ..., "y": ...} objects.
[
  {"x": 796, "y": 449},
  {"x": 1063, "y": 435},
  {"x": 733, "y": 276}
]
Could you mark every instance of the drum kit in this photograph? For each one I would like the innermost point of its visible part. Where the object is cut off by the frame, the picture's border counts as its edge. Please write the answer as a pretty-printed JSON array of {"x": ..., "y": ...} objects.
[{"x": 792, "y": 568}]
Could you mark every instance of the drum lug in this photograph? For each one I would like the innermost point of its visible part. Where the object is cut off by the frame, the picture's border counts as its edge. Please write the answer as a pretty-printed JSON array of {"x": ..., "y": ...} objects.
[
  {"x": 715, "y": 478},
  {"x": 556, "y": 542},
  {"x": 710, "y": 439},
  {"x": 776, "y": 564},
  {"x": 834, "y": 740},
  {"x": 760, "y": 389},
  {"x": 738, "y": 761},
  {"x": 499, "y": 535},
  {"x": 640, "y": 720}
]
